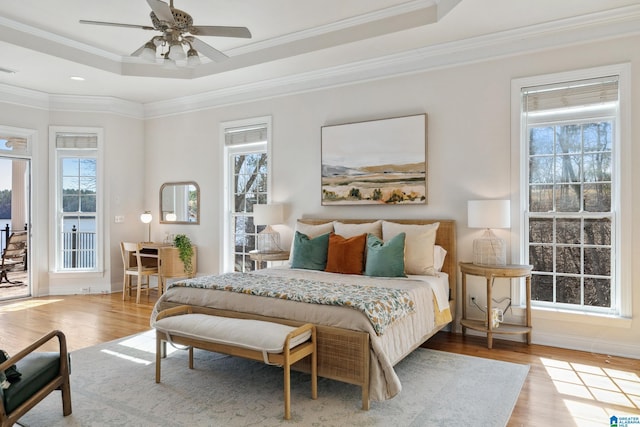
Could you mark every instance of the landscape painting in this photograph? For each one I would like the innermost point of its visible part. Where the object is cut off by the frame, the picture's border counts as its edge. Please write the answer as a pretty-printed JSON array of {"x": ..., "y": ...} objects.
[{"x": 378, "y": 162}]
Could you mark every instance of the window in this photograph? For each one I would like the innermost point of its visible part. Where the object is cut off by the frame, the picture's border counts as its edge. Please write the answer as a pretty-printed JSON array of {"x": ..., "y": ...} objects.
[
  {"x": 247, "y": 175},
  {"x": 570, "y": 152},
  {"x": 78, "y": 238}
]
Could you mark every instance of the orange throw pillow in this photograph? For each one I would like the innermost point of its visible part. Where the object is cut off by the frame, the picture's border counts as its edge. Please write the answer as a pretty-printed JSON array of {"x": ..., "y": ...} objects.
[{"x": 346, "y": 256}]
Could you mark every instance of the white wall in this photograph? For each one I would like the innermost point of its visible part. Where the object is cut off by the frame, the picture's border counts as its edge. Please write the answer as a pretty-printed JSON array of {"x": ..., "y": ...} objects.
[
  {"x": 468, "y": 111},
  {"x": 123, "y": 187}
]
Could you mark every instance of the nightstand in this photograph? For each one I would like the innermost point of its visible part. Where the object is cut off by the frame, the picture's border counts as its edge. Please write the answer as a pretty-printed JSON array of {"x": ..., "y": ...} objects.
[
  {"x": 491, "y": 272},
  {"x": 260, "y": 257}
]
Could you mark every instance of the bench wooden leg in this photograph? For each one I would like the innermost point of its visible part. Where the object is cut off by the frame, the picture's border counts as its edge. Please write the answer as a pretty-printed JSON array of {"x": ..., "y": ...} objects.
[
  {"x": 191, "y": 357},
  {"x": 287, "y": 392},
  {"x": 314, "y": 372}
]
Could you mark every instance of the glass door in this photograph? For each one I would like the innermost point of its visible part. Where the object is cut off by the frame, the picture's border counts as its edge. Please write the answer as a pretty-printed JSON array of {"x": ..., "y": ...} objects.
[{"x": 15, "y": 182}]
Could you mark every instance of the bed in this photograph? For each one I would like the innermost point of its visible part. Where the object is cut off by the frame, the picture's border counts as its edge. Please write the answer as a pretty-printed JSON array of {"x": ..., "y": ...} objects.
[{"x": 352, "y": 348}]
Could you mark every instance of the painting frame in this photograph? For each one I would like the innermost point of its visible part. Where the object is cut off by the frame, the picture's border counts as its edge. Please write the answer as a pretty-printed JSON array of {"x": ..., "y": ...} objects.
[{"x": 375, "y": 162}]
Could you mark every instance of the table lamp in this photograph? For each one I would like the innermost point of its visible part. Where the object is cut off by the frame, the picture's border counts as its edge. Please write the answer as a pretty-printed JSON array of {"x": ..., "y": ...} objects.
[
  {"x": 268, "y": 239},
  {"x": 146, "y": 218},
  {"x": 489, "y": 249}
]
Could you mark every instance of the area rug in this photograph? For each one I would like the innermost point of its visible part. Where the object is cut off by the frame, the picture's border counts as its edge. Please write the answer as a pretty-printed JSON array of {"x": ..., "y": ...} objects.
[{"x": 113, "y": 384}]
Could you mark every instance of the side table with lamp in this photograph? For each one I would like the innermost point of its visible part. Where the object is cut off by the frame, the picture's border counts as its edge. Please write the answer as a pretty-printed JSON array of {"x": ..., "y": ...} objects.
[
  {"x": 268, "y": 246},
  {"x": 489, "y": 261}
]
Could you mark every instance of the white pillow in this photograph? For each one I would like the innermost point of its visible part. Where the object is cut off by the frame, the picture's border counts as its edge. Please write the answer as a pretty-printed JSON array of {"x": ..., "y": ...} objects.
[
  {"x": 314, "y": 230},
  {"x": 439, "y": 253},
  {"x": 352, "y": 230},
  {"x": 419, "y": 245}
]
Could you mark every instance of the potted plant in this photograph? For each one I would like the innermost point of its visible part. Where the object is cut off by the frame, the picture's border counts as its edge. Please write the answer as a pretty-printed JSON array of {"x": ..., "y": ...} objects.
[{"x": 185, "y": 251}]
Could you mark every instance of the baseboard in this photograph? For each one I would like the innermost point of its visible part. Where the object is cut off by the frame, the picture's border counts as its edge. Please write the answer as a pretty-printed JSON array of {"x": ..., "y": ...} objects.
[
  {"x": 596, "y": 345},
  {"x": 590, "y": 345}
]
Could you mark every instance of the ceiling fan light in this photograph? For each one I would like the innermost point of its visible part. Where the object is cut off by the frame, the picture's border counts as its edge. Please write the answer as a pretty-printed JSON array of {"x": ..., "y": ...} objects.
[
  {"x": 176, "y": 52},
  {"x": 148, "y": 51},
  {"x": 193, "y": 59}
]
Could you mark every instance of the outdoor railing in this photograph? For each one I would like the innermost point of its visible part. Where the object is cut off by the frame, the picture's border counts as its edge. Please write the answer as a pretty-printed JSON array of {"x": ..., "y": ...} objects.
[{"x": 78, "y": 247}]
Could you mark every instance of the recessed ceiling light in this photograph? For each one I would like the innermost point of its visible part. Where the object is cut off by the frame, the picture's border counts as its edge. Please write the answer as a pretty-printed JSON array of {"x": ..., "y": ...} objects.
[{"x": 77, "y": 78}]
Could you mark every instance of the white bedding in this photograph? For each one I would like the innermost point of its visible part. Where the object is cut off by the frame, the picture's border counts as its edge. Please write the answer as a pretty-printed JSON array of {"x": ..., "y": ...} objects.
[{"x": 402, "y": 337}]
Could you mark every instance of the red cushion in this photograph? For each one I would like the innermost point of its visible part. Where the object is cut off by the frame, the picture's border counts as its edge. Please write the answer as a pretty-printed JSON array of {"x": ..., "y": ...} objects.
[{"x": 346, "y": 256}]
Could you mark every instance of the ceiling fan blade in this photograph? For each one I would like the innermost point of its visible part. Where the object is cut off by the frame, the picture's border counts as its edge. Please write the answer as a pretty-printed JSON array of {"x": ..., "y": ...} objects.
[
  {"x": 115, "y": 24},
  {"x": 210, "y": 30},
  {"x": 162, "y": 11},
  {"x": 208, "y": 51}
]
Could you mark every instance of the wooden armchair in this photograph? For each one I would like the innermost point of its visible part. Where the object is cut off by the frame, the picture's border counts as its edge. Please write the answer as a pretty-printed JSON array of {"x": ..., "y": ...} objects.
[
  {"x": 15, "y": 253},
  {"x": 42, "y": 373}
]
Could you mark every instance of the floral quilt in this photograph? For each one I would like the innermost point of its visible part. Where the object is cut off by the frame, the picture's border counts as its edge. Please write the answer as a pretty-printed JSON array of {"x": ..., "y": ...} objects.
[{"x": 382, "y": 306}]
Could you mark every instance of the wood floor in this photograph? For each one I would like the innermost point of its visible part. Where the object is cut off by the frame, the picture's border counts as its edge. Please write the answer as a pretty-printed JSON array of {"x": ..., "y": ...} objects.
[{"x": 564, "y": 387}]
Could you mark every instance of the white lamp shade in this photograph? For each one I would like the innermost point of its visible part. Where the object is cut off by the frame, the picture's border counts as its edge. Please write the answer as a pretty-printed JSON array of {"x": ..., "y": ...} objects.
[
  {"x": 269, "y": 214},
  {"x": 146, "y": 217},
  {"x": 489, "y": 214},
  {"x": 176, "y": 52}
]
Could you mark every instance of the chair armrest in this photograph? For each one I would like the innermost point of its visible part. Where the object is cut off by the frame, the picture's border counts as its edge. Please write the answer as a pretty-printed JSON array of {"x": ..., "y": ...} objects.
[{"x": 31, "y": 348}]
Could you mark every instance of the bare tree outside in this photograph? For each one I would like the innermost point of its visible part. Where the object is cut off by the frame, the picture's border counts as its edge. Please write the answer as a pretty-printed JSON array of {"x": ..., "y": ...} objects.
[
  {"x": 570, "y": 168},
  {"x": 250, "y": 188}
]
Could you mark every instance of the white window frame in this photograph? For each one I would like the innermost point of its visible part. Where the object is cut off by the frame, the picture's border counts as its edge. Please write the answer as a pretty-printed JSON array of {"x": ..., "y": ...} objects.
[
  {"x": 55, "y": 191},
  {"x": 228, "y": 248},
  {"x": 621, "y": 196}
]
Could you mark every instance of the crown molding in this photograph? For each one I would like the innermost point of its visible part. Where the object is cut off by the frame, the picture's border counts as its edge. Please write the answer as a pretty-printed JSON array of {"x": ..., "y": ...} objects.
[
  {"x": 96, "y": 104},
  {"x": 74, "y": 103},
  {"x": 24, "y": 97},
  {"x": 611, "y": 24}
]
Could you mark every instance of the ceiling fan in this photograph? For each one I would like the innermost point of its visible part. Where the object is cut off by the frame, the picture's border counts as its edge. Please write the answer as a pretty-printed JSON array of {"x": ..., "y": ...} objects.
[{"x": 177, "y": 36}]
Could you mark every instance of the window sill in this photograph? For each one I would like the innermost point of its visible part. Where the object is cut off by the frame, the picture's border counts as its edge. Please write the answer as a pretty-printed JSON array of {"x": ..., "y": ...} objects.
[
  {"x": 75, "y": 274},
  {"x": 582, "y": 318}
]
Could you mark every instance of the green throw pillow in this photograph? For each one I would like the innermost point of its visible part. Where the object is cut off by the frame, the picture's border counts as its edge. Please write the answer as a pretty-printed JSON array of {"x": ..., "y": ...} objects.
[
  {"x": 310, "y": 254},
  {"x": 385, "y": 259}
]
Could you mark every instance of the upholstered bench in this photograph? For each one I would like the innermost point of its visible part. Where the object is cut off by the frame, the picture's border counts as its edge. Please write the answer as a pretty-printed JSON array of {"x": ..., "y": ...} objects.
[{"x": 268, "y": 342}]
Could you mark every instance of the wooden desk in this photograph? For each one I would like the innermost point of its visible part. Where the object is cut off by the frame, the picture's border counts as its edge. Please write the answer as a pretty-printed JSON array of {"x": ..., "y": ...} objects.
[
  {"x": 167, "y": 258},
  {"x": 491, "y": 272}
]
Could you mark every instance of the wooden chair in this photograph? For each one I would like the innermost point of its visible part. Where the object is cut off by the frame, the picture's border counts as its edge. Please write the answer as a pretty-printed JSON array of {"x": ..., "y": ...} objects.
[
  {"x": 14, "y": 254},
  {"x": 131, "y": 251},
  {"x": 42, "y": 373}
]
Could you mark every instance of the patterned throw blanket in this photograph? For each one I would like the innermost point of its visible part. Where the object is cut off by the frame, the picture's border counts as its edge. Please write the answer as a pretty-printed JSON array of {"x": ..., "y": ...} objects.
[{"x": 382, "y": 306}]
